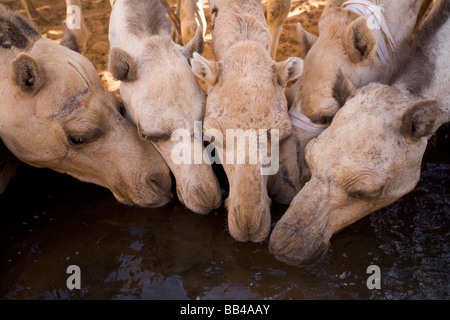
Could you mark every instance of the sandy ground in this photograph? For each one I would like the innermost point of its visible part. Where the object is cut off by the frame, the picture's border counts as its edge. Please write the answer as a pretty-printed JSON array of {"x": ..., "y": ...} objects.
[{"x": 96, "y": 13}]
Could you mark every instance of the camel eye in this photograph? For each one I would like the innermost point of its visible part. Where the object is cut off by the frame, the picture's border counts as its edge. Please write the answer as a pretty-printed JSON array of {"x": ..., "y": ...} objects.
[
  {"x": 77, "y": 140},
  {"x": 366, "y": 194},
  {"x": 82, "y": 138}
]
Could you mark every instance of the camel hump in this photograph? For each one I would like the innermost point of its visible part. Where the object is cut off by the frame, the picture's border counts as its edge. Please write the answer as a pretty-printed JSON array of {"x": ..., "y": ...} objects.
[{"x": 15, "y": 31}]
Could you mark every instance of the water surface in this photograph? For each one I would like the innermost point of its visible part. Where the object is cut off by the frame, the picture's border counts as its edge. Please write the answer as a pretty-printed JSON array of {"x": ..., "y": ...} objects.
[{"x": 49, "y": 221}]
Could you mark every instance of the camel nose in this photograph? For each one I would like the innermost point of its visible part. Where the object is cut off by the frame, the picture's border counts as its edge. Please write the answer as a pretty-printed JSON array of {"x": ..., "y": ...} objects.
[
  {"x": 249, "y": 223},
  {"x": 158, "y": 183},
  {"x": 200, "y": 197},
  {"x": 295, "y": 245},
  {"x": 159, "y": 190}
]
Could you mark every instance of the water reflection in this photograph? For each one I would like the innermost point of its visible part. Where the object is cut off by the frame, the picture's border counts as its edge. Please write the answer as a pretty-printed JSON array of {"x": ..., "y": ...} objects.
[{"x": 50, "y": 221}]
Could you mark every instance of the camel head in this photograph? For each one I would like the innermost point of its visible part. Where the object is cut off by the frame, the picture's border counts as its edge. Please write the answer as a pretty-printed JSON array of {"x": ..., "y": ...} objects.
[
  {"x": 246, "y": 116},
  {"x": 368, "y": 158},
  {"x": 55, "y": 113},
  {"x": 160, "y": 92},
  {"x": 342, "y": 58},
  {"x": 158, "y": 88}
]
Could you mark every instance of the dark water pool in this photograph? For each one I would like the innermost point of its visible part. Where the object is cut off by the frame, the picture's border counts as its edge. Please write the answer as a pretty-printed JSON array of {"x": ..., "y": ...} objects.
[{"x": 50, "y": 221}]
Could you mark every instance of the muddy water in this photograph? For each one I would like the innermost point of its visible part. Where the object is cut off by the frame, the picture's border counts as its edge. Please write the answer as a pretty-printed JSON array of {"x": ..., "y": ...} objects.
[{"x": 50, "y": 221}]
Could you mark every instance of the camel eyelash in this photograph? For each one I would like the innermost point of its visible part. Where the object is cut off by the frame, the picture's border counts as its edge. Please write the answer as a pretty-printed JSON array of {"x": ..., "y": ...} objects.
[{"x": 78, "y": 139}]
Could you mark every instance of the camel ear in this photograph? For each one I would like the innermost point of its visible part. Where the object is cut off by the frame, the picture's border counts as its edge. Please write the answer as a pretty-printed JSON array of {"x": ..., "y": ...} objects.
[
  {"x": 289, "y": 70},
  {"x": 27, "y": 74},
  {"x": 306, "y": 41},
  {"x": 121, "y": 65},
  {"x": 196, "y": 44},
  {"x": 419, "y": 119},
  {"x": 343, "y": 89},
  {"x": 359, "y": 41},
  {"x": 205, "y": 70}
]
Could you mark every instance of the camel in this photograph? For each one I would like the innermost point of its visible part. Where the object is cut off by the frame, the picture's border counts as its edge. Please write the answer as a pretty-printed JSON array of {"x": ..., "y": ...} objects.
[
  {"x": 55, "y": 114},
  {"x": 74, "y": 38},
  {"x": 294, "y": 172},
  {"x": 356, "y": 41},
  {"x": 371, "y": 154},
  {"x": 245, "y": 94},
  {"x": 161, "y": 93}
]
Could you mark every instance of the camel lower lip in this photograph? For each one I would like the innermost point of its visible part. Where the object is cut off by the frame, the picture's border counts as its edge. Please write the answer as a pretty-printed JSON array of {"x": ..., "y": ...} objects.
[
  {"x": 162, "y": 201},
  {"x": 292, "y": 260},
  {"x": 165, "y": 200}
]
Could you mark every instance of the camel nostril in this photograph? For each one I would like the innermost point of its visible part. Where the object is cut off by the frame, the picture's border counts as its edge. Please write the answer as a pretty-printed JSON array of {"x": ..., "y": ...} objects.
[
  {"x": 322, "y": 120},
  {"x": 156, "y": 186},
  {"x": 160, "y": 190}
]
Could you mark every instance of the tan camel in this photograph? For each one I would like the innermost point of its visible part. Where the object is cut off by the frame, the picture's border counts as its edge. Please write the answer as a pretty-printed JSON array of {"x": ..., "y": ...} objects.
[
  {"x": 371, "y": 154},
  {"x": 294, "y": 172},
  {"x": 355, "y": 42},
  {"x": 245, "y": 92},
  {"x": 55, "y": 113},
  {"x": 74, "y": 38},
  {"x": 160, "y": 91}
]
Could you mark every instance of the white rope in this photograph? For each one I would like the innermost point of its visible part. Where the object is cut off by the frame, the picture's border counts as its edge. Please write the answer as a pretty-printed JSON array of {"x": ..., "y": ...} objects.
[{"x": 303, "y": 122}]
